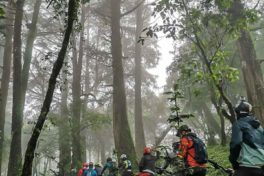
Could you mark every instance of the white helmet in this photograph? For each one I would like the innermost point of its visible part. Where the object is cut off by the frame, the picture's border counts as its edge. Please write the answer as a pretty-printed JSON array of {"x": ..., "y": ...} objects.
[{"x": 123, "y": 156}]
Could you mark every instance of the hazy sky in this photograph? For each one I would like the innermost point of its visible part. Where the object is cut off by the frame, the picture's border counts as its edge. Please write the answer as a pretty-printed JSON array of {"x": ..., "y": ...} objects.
[{"x": 165, "y": 46}]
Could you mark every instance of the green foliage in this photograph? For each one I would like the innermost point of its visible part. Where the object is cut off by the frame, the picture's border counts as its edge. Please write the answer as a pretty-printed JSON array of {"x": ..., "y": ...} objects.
[
  {"x": 176, "y": 94},
  {"x": 2, "y": 12},
  {"x": 219, "y": 154},
  {"x": 95, "y": 120}
]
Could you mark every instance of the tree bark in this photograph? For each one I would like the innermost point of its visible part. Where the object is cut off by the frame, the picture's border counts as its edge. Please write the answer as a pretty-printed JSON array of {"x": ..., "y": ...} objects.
[
  {"x": 28, "y": 51},
  {"x": 122, "y": 134},
  {"x": 64, "y": 130},
  {"x": 80, "y": 60},
  {"x": 6, "y": 72},
  {"x": 139, "y": 127},
  {"x": 211, "y": 123},
  {"x": 29, "y": 155},
  {"x": 252, "y": 74},
  {"x": 251, "y": 69},
  {"x": 15, "y": 156},
  {"x": 217, "y": 105},
  {"x": 160, "y": 138},
  {"x": 76, "y": 108}
]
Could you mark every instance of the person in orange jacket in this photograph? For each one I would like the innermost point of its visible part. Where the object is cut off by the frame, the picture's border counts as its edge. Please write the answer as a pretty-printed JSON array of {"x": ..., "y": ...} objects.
[{"x": 195, "y": 165}]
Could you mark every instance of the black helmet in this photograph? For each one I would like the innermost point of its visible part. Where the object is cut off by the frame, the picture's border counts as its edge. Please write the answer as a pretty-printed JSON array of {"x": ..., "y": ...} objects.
[
  {"x": 108, "y": 159},
  {"x": 183, "y": 128},
  {"x": 243, "y": 107}
]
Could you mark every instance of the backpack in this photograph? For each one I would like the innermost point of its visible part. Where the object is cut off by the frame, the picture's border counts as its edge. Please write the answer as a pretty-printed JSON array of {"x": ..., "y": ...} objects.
[
  {"x": 201, "y": 156},
  {"x": 88, "y": 172}
]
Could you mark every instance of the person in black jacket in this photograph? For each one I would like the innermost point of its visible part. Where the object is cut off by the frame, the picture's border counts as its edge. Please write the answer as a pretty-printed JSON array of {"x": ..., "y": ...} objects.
[
  {"x": 247, "y": 143},
  {"x": 147, "y": 163}
]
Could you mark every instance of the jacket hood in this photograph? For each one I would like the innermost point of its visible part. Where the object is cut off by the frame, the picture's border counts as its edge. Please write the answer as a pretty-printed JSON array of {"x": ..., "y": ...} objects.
[{"x": 252, "y": 121}]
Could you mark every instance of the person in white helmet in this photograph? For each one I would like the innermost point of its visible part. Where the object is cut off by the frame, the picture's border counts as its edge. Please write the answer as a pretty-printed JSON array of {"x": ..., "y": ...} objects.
[{"x": 125, "y": 166}]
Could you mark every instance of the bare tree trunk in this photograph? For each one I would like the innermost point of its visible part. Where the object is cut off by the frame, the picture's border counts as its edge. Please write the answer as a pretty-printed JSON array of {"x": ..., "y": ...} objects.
[
  {"x": 211, "y": 123},
  {"x": 251, "y": 69},
  {"x": 64, "y": 130},
  {"x": 160, "y": 138},
  {"x": 15, "y": 157},
  {"x": 29, "y": 155},
  {"x": 252, "y": 74},
  {"x": 139, "y": 127},
  {"x": 223, "y": 133},
  {"x": 218, "y": 105},
  {"x": 6, "y": 72},
  {"x": 76, "y": 108},
  {"x": 81, "y": 45},
  {"x": 28, "y": 51},
  {"x": 122, "y": 134}
]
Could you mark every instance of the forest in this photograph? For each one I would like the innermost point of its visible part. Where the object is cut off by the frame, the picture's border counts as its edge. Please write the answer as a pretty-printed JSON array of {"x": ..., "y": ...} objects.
[{"x": 77, "y": 82}]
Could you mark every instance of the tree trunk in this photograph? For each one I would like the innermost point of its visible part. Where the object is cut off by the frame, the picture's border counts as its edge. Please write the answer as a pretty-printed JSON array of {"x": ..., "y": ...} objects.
[
  {"x": 251, "y": 69},
  {"x": 6, "y": 72},
  {"x": 211, "y": 123},
  {"x": 218, "y": 110},
  {"x": 64, "y": 130},
  {"x": 122, "y": 134},
  {"x": 139, "y": 128},
  {"x": 15, "y": 157},
  {"x": 29, "y": 155},
  {"x": 81, "y": 45},
  {"x": 252, "y": 74},
  {"x": 28, "y": 51},
  {"x": 223, "y": 133},
  {"x": 76, "y": 108},
  {"x": 160, "y": 138}
]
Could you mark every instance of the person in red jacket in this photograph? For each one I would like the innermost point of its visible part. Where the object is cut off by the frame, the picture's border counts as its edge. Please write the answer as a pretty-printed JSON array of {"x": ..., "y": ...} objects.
[
  {"x": 187, "y": 152},
  {"x": 81, "y": 171}
]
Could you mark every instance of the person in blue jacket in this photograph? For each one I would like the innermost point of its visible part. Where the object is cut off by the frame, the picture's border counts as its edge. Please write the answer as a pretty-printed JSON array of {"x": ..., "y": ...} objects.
[
  {"x": 110, "y": 165},
  {"x": 247, "y": 143},
  {"x": 90, "y": 171}
]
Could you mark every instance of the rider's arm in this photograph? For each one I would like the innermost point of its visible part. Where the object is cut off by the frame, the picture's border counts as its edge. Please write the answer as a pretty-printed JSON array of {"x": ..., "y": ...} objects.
[
  {"x": 141, "y": 165},
  {"x": 105, "y": 167},
  {"x": 183, "y": 147}
]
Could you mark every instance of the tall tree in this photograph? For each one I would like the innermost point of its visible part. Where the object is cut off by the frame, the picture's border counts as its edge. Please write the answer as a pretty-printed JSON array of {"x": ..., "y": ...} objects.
[
  {"x": 122, "y": 134},
  {"x": 139, "y": 129},
  {"x": 251, "y": 69},
  {"x": 29, "y": 155},
  {"x": 77, "y": 62},
  {"x": 15, "y": 157},
  {"x": 76, "y": 107},
  {"x": 6, "y": 72},
  {"x": 64, "y": 128},
  {"x": 28, "y": 50}
]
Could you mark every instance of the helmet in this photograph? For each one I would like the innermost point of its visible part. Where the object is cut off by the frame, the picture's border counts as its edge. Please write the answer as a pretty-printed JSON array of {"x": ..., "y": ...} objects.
[
  {"x": 123, "y": 157},
  {"x": 108, "y": 159},
  {"x": 98, "y": 165},
  {"x": 85, "y": 164},
  {"x": 243, "y": 107},
  {"x": 183, "y": 128},
  {"x": 147, "y": 150}
]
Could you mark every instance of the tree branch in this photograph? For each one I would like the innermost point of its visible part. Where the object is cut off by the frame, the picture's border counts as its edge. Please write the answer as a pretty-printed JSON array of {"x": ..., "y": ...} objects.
[{"x": 131, "y": 10}]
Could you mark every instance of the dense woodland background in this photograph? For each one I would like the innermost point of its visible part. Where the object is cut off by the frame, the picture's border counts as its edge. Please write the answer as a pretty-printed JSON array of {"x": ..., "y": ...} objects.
[{"x": 75, "y": 79}]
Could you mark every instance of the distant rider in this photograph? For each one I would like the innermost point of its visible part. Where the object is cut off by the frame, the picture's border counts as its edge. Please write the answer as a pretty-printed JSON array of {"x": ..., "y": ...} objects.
[
  {"x": 125, "y": 166},
  {"x": 147, "y": 163},
  {"x": 110, "y": 165}
]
